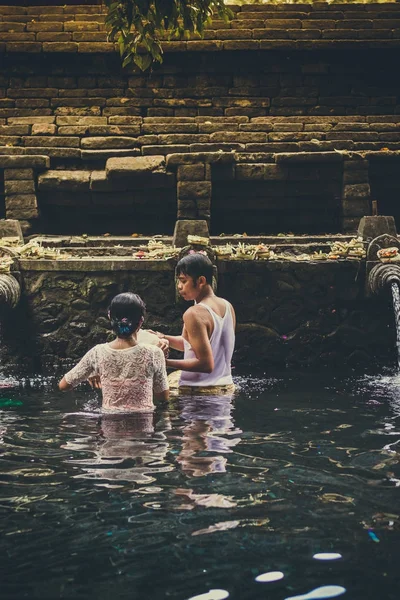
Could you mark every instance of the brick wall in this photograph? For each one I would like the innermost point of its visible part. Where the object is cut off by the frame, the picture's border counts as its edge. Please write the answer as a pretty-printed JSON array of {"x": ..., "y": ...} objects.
[{"x": 251, "y": 84}]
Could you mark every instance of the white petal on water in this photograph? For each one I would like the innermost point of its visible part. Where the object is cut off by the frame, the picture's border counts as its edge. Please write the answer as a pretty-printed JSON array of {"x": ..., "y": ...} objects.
[
  {"x": 212, "y": 595},
  {"x": 327, "y": 556},
  {"x": 326, "y": 591},
  {"x": 271, "y": 576}
]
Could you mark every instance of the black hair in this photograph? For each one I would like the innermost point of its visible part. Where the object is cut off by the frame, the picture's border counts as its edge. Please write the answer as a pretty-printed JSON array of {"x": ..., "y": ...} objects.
[
  {"x": 125, "y": 312},
  {"x": 195, "y": 265}
]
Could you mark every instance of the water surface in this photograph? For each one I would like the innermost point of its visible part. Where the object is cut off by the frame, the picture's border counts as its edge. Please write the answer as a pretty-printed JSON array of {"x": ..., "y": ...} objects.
[{"x": 206, "y": 494}]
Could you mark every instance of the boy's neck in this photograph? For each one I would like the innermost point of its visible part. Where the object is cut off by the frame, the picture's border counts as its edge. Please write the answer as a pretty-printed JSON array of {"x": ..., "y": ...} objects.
[{"x": 205, "y": 293}]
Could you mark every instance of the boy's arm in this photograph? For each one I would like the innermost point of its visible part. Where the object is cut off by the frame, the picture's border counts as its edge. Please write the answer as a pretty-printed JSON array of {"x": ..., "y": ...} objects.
[{"x": 196, "y": 329}]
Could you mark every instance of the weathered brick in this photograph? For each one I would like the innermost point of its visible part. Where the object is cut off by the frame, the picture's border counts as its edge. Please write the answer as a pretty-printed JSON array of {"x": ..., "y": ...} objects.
[
  {"x": 96, "y": 47},
  {"x": 60, "y": 47},
  {"x": 89, "y": 36},
  {"x": 350, "y": 177},
  {"x": 44, "y": 36},
  {"x": 22, "y": 186},
  {"x": 164, "y": 150},
  {"x": 193, "y": 190},
  {"x": 22, "y": 213},
  {"x": 43, "y": 129},
  {"x": 98, "y": 143},
  {"x": 356, "y": 208},
  {"x": 32, "y": 92},
  {"x": 194, "y": 172},
  {"x": 44, "y": 26},
  {"x": 52, "y": 141},
  {"x": 21, "y": 201},
  {"x": 28, "y": 47},
  {"x": 14, "y": 130},
  {"x": 31, "y": 120},
  {"x": 359, "y": 190},
  {"x": 81, "y": 26},
  {"x": 11, "y": 27},
  {"x": 15, "y": 174},
  {"x": 252, "y": 171},
  {"x": 64, "y": 180}
]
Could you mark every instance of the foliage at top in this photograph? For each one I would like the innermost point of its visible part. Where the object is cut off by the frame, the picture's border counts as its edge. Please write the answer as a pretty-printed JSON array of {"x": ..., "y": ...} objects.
[{"x": 138, "y": 25}]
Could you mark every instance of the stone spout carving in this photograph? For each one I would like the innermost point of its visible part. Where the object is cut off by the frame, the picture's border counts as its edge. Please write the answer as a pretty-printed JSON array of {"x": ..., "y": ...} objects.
[
  {"x": 382, "y": 275},
  {"x": 10, "y": 290}
]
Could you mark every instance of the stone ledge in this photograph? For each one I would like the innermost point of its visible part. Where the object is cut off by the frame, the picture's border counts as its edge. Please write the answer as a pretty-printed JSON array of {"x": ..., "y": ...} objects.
[
  {"x": 99, "y": 264},
  {"x": 21, "y": 162},
  {"x": 174, "y": 160},
  {"x": 302, "y": 157}
]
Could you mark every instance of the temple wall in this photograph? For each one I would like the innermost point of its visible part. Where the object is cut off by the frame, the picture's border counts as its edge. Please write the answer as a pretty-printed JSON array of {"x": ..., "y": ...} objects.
[{"x": 288, "y": 313}]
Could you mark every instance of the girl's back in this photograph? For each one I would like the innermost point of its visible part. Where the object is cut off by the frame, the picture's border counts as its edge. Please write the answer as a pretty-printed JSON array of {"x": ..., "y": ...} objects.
[{"x": 128, "y": 376}]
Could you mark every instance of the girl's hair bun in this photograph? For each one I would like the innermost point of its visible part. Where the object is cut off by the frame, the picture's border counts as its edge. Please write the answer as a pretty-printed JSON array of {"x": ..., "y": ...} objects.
[{"x": 126, "y": 312}]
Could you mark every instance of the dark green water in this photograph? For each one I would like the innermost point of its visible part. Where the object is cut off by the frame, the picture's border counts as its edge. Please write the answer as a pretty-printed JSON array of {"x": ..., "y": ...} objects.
[{"x": 208, "y": 494}]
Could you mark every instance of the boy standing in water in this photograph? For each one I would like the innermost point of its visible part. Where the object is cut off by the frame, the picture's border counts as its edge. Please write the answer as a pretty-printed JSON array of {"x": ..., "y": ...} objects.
[{"x": 208, "y": 335}]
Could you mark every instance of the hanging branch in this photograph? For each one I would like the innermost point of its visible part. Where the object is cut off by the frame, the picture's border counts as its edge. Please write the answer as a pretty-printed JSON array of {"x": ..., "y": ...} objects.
[{"x": 138, "y": 25}]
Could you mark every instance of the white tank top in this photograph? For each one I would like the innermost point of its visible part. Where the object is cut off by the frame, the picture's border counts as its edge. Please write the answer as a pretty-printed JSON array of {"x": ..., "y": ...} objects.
[{"x": 222, "y": 344}]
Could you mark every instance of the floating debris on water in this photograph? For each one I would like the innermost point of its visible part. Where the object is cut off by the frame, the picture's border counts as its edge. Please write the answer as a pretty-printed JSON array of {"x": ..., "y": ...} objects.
[
  {"x": 373, "y": 536},
  {"x": 212, "y": 595},
  {"x": 326, "y": 591},
  {"x": 327, "y": 556},
  {"x": 9, "y": 402},
  {"x": 270, "y": 577}
]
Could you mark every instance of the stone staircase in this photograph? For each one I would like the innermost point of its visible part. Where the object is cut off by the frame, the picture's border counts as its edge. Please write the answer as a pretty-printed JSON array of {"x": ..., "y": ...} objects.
[{"x": 273, "y": 101}]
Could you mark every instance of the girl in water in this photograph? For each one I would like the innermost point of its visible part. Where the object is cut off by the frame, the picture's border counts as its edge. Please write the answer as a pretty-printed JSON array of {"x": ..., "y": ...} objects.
[{"x": 130, "y": 373}]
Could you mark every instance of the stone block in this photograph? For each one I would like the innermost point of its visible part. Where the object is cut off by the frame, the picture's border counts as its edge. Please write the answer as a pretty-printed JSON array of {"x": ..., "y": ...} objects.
[
  {"x": 174, "y": 160},
  {"x": 21, "y": 201},
  {"x": 371, "y": 227},
  {"x": 356, "y": 191},
  {"x": 64, "y": 180},
  {"x": 194, "y": 172},
  {"x": 241, "y": 137},
  {"x": 51, "y": 141},
  {"x": 24, "y": 47},
  {"x": 356, "y": 207},
  {"x": 250, "y": 171},
  {"x": 10, "y": 228},
  {"x": 18, "y": 174},
  {"x": 361, "y": 176},
  {"x": 186, "y": 213},
  {"x": 194, "y": 190},
  {"x": 55, "y": 152},
  {"x": 99, "y": 143},
  {"x": 69, "y": 47},
  {"x": 43, "y": 129},
  {"x": 96, "y": 47},
  {"x": 141, "y": 166},
  {"x": 19, "y": 186},
  {"x": 30, "y": 120},
  {"x": 100, "y": 155},
  {"x": 22, "y": 213},
  {"x": 21, "y": 162},
  {"x": 350, "y": 224},
  {"x": 275, "y": 173},
  {"x": 100, "y": 183}
]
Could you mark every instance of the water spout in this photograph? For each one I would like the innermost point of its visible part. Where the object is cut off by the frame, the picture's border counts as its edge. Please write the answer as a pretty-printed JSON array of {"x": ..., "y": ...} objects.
[
  {"x": 396, "y": 307},
  {"x": 10, "y": 291}
]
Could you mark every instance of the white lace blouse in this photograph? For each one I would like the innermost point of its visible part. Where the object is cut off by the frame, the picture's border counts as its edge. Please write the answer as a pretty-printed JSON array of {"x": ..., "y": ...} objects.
[{"x": 128, "y": 377}]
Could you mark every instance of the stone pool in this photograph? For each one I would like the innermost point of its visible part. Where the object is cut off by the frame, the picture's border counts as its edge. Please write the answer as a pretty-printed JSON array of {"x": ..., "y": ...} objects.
[{"x": 207, "y": 495}]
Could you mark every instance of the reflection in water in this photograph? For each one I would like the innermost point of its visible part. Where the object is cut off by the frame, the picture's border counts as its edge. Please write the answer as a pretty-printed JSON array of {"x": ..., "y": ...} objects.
[
  {"x": 126, "y": 440},
  {"x": 208, "y": 433}
]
